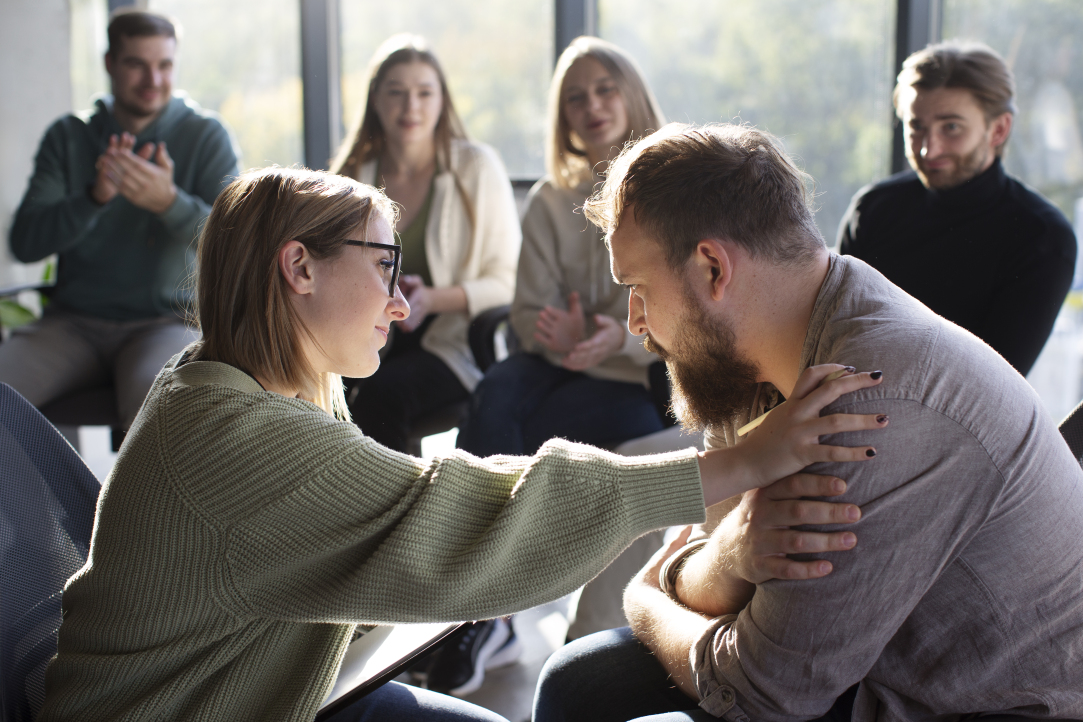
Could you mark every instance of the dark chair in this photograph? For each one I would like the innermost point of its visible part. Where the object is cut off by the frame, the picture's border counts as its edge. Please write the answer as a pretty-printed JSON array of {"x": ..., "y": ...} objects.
[
  {"x": 47, "y": 501},
  {"x": 491, "y": 339},
  {"x": 95, "y": 406},
  {"x": 1072, "y": 431}
]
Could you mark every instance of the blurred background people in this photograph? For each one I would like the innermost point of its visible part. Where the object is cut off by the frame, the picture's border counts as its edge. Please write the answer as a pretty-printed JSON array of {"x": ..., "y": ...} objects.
[
  {"x": 458, "y": 227},
  {"x": 582, "y": 375},
  {"x": 956, "y": 232},
  {"x": 118, "y": 193}
]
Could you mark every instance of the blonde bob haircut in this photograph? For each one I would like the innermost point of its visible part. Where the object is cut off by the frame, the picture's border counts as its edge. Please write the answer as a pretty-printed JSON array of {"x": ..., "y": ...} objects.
[
  {"x": 565, "y": 154},
  {"x": 243, "y": 306}
]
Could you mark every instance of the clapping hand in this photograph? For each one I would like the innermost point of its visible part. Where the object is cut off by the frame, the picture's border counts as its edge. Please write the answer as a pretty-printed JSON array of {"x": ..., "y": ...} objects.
[
  {"x": 559, "y": 330},
  {"x": 144, "y": 177},
  {"x": 608, "y": 339},
  {"x": 417, "y": 295}
]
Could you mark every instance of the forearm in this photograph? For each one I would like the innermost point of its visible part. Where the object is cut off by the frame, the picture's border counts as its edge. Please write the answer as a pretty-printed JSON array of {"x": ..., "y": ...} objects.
[
  {"x": 668, "y": 629},
  {"x": 726, "y": 473},
  {"x": 41, "y": 229},
  {"x": 451, "y": 299},
  {"x": 709, "y": 581}
]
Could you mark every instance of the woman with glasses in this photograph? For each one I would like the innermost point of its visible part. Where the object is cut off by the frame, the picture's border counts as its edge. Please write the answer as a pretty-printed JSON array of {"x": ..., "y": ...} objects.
[
  {"x": 248, "y": 527},
  {"x": 458, "y": 226}
]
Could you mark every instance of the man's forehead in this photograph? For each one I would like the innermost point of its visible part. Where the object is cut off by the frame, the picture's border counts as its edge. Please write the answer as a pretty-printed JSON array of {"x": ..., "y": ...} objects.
[
  {"x": 941, "y": 103},
  {"x": 147, "y": 46}
]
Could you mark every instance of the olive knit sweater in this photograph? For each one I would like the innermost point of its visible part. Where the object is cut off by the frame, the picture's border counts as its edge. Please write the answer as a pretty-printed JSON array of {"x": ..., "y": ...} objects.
[{"x": 242, "y": 535}]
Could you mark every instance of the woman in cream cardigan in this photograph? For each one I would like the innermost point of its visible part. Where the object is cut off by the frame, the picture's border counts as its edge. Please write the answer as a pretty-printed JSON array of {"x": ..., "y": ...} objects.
[
  {"x": 459, "y": 230},
  {"x": 584, "y": 375}
]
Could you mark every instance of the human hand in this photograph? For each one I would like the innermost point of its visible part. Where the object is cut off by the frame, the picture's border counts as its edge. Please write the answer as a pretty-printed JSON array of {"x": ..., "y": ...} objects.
[
  {"x": 607, "y": 340},
  {"x": 107, "y": 181},
  {"x": 559, "y": 330},
  {"x": 751, "y": 544},
  {"x": 147, "y": 179},
  {"x": 788, "y": 440},
  {"x": 418, "y": 295}
]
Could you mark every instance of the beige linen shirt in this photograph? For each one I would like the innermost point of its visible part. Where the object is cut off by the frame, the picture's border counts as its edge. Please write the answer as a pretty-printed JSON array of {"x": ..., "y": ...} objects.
[{"x": 963, "y": 594}]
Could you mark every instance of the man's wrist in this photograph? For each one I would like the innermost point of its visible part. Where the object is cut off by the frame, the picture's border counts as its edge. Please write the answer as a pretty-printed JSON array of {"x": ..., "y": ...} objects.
[{"x": 670, "y": 571}]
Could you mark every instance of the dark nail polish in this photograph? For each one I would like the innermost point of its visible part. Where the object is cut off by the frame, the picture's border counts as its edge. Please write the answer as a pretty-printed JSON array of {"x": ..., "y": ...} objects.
[
  {"x": 875, "y": 375},
  {"x": 849, "y": 369},
  {"x": 870, "y": 452},
  {"x": 881, "y": 419}
]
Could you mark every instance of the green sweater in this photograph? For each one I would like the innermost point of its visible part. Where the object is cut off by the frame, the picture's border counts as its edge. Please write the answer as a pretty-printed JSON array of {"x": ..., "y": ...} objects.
[
  {"x": 119, "y": 261},
  {"x": 242, "y": 535}
]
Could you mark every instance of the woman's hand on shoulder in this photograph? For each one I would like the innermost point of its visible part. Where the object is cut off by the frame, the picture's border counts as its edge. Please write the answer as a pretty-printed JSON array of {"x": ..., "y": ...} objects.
[{"x": 788, "y": 438}]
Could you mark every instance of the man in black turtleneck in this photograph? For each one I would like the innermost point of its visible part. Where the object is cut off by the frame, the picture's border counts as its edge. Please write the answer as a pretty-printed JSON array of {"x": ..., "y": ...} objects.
[{"x": 973, "y": 244}]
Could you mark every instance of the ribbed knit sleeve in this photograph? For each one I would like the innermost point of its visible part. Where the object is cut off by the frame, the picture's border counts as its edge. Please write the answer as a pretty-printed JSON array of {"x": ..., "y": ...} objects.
[{"x": 322, "y": 524}]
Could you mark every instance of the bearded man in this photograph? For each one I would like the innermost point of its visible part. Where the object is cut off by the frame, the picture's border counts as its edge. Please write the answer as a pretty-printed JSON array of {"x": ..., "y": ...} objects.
[
  {"x": 118, "y": 193},
  {"x": 957, "y": 233},
  {"x": 955, "y": 591}
]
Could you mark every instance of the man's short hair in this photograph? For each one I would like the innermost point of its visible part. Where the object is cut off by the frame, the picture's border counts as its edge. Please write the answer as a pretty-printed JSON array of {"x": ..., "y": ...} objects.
[
  {"x": 686, "y": 183},
  {"x": 129, "y": 23},
  {"x": 954, "y": 64}
]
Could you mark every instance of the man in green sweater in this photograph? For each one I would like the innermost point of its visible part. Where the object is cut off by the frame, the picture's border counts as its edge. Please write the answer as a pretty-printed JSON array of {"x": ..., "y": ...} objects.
[{"x": 118, "y": 193}]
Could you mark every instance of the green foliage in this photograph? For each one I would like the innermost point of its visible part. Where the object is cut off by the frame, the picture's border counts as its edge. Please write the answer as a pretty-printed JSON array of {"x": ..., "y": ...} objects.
[
  {"x": 12, "y": 315},
  {"x": 816, "y": 74}
]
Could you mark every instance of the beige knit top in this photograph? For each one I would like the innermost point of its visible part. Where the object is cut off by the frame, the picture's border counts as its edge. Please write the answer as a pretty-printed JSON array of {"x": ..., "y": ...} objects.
[{"x": 242, "y": 535}]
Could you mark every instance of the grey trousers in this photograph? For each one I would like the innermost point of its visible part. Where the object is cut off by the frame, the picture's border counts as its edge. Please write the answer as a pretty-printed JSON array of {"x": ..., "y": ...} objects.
[{"x": 64, "y": 352}]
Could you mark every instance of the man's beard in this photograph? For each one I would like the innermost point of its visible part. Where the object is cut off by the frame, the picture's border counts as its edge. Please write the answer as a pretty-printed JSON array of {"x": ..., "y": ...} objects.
[
  {"x": 710, "y": 379},
  {"x": 966, "y": 167}
]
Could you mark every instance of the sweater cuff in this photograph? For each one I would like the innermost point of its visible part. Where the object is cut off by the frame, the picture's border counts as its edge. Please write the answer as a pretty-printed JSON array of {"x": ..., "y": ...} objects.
[
  {"x": 180, "y": 212},
  {"x": 659, "y": 493}
]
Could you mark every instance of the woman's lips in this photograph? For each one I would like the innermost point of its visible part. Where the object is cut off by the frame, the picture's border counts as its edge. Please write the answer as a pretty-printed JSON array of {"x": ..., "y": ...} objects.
[{"x": 383, "y": 330}]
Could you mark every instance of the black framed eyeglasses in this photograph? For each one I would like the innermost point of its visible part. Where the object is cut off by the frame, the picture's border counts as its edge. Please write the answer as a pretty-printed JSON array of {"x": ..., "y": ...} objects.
[{"x": 396, "y": 260}]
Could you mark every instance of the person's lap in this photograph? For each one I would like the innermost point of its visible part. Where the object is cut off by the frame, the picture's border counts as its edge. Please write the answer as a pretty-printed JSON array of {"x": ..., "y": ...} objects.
[
  {"x": 524, "y": 401},
  {"x": 609, "y": 677},
  {"x": 403, "y": 703},
  {"x": 63, "y": 352}
]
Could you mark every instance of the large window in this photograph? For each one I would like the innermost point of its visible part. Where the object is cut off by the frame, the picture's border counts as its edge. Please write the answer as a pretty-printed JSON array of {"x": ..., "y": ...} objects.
[
  {"x": 1039, "y": 39},
  {"x": 498, "y": 57},
  {"x": 817, "y": 74},
  {"x": 242, "y": 59}
]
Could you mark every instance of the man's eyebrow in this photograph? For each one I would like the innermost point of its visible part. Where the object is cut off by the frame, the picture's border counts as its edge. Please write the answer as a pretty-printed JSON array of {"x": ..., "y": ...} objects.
[{"x": 949, "y": 116}]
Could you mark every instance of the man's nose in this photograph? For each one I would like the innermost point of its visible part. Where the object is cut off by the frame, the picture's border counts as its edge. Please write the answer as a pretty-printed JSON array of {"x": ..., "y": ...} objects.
[
  {"x": 931, "y": 145},
  {"x": 637, "y": 318}
]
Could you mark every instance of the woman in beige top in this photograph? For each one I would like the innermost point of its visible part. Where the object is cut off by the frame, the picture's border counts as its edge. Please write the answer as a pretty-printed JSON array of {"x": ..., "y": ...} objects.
[
  {"x": 583, "y": 375},
  {"x": 459, "y": 229}
]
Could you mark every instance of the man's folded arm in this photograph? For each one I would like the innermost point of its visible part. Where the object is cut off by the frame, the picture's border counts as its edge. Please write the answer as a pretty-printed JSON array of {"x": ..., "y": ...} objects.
[{"x": 799, "y": 644}]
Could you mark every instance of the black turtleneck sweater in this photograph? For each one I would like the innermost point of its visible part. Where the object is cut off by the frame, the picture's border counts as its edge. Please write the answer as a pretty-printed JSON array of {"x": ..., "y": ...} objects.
[{"x": 990, "y": 255}]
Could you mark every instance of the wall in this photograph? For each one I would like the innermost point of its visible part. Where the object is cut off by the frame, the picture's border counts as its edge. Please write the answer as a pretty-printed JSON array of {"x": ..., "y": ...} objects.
[{"x": 36, "y": 89}]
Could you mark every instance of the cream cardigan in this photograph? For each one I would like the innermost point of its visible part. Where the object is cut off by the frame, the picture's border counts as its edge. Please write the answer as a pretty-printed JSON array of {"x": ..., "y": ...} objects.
[{"x": 481, "y": 258}]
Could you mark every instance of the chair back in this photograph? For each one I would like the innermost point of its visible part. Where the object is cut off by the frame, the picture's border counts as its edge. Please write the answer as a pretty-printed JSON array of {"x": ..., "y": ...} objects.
[
  {"x": 1072, "y": 431},
  {"x": 47, "y": 502}
]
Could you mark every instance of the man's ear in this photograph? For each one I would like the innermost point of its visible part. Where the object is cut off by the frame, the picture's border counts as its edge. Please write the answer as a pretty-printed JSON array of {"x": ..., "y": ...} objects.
[
  {"x": 1000, "y": 128},
  {"x": 714, "y": 266},
  {"x": 109, "y": 64},
  {"x": 295, "y": 264}
]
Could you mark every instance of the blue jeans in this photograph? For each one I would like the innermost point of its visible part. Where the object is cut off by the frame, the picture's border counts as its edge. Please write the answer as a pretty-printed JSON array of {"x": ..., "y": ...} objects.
[
  {"x": 611, "y": 677},
  {"x": 524, "y": 401},
  {"x": 403, "y": 703}
]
